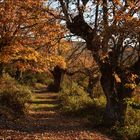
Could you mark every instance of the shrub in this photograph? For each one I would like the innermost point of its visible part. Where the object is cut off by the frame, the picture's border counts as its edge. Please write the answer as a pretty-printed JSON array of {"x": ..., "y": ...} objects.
[
  {"x": 131, "y": 129},
  {"x": 128, "y": 132},
  {"x": 74, "y": 99},
  {"x": 30, "y": 78},
  {"x": 13, "y": 97}
]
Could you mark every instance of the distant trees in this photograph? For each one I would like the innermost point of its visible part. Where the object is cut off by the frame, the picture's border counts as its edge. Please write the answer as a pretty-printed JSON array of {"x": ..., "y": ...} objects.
[
  {"x": 81, "y": 64},
  {"x": 109, "y": 29}
]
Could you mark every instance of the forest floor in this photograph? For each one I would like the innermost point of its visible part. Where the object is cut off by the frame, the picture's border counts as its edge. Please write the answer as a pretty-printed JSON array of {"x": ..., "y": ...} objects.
[{"x": 45, "y": 122}]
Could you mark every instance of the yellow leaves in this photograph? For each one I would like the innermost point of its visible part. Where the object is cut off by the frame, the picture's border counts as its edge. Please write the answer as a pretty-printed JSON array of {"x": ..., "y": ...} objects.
[
  {"x": 16, "y": 52},
  {"x": 64, "y": 46},
  {"x": 117, "y": 78},
  {"x": 56, "y": 60},
  {"x": 133, "y": 77},
  {"x": 20, "y": 56},
  {"x": 25, "y": 25},
  {"x": 130, "y": 86}
]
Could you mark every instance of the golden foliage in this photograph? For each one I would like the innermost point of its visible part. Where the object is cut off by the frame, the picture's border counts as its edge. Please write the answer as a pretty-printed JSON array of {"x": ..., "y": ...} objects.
[{"x": 29, "y": 36}]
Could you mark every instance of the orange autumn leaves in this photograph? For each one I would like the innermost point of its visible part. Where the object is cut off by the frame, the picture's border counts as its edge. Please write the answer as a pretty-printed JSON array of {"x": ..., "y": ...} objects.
[
  {"x": 29, "y": 36},
  {"x": 20, "y": 57}
]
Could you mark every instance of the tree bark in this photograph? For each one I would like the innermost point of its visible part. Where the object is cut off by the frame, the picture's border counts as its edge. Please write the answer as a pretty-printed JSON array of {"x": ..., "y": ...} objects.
[
  {"x": 1, "y": 69},
  {"x": 117, "y": 85},
  {"x": 116, "y": 105},
  {"x": 18, "y": 75},
  {"x": 92, "y": 81},
  {"x": 58, "y": 74},
  {"x": 107, "y": 86}
]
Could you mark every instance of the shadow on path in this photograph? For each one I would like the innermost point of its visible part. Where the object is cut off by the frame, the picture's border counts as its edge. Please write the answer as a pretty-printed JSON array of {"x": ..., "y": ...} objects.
[{"x": 45, "y": 120}]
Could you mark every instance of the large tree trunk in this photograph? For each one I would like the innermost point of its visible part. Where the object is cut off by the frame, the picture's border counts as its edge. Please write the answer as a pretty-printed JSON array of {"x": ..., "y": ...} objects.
[
  {"x": 118, "y": 85},
  {"x": 58, "y": 74},
  {"x": 116, "y": 105}
]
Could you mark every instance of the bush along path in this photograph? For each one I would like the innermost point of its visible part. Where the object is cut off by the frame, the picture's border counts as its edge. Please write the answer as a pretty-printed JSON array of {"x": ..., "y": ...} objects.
[{"x": 45, "y": 122}]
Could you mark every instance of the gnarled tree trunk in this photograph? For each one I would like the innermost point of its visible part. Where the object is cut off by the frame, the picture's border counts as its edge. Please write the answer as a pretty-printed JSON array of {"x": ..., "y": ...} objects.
[
  {"x": 116, "y": 105},
  {"x": 118, "y": 85}
]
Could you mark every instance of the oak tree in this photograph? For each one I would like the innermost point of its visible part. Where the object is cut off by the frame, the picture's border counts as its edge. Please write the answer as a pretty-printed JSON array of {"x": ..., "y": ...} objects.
[{"x": 109, "y": 28}]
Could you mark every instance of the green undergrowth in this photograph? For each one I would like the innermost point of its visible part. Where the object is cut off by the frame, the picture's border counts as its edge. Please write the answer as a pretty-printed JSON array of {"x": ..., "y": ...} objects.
[
  {"x": 35, "y": 80},
  {"x": 131, "y": 129},
  {"x": 76, "y": 102},
  {"x": 13, "y": 98}
]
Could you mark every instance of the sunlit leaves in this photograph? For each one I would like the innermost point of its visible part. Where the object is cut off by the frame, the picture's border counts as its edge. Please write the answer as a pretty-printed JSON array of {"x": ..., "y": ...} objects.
[{"x": 29, "y": 36}]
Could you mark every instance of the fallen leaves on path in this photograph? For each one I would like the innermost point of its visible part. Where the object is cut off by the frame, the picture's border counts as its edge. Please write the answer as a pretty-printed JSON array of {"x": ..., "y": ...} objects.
[{"x": 45, "y": 122}]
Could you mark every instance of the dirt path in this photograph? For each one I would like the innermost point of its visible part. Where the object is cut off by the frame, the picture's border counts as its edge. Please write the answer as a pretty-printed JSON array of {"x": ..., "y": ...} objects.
[{"x": 46, "y": 123}]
